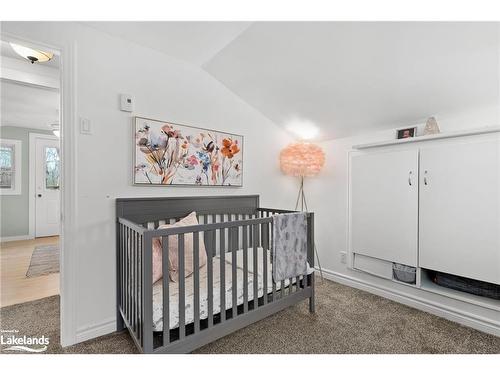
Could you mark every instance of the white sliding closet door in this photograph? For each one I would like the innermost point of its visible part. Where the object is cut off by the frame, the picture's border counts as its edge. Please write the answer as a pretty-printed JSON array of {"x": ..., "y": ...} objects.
[
  {"x": 460, "y": 209},
  {"x": 384, "y": 205}
]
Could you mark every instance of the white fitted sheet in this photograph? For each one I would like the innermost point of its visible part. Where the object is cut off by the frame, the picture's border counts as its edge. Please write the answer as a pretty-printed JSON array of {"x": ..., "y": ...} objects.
[{"x": 189, "y": 289}]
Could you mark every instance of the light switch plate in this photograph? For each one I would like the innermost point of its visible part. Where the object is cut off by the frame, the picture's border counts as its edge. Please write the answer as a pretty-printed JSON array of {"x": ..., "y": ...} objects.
[
  {"x": 126, "y": 102},
  {"x": 85, "y": 126}
]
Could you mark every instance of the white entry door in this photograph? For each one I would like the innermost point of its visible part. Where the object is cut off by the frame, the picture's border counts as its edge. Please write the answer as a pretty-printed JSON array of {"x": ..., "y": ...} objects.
[{"x": 47, "y": 192}]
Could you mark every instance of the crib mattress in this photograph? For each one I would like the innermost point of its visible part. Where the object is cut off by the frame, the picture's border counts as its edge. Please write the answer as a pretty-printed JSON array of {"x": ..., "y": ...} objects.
[{"x": 189, "y": 289}]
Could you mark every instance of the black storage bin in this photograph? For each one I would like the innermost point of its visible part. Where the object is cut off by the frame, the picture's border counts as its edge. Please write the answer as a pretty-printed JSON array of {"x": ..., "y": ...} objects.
[{"x": 464, "y": 284}]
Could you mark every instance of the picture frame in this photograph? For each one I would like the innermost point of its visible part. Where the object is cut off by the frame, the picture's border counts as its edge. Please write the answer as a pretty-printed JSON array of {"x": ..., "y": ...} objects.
[
  {"x": 172, "y": 154},
  {"x": 406, "y": 133}
]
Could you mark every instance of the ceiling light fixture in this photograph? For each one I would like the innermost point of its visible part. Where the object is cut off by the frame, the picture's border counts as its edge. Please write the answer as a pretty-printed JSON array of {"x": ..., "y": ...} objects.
[
  {"x": 56, "y": 130},
  {"x": 31, "y": 54}
]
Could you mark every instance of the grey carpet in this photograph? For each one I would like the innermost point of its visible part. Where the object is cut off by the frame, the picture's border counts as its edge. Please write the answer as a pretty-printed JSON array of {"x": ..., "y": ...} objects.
[
  {"x": 347, "y": 320},
  {"x": 44, "y": 260}
]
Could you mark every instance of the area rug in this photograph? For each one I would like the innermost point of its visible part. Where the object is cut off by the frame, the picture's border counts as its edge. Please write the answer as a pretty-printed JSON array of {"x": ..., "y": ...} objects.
[{"x": 45, "y": 260}]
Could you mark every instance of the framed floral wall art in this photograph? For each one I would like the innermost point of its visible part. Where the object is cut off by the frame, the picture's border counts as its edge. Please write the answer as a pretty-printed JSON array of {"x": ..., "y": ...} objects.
[{"x": 172, "y": 154}]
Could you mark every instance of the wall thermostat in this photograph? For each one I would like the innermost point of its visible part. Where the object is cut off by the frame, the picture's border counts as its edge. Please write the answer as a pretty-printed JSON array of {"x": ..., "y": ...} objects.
[{"x": 126, "y": 102}]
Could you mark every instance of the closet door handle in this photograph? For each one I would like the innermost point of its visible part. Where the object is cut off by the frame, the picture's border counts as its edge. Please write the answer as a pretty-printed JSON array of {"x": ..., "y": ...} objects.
[
  {"x": 425, "y": 178},
  {"x": 409, "y": 178}
]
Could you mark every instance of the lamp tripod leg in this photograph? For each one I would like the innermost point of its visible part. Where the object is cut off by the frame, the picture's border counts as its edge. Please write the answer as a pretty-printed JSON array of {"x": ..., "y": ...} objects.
[
  {"x": 299, "y": 195},
  {"x": 302, "y": 197},
  {"x": 315, "y": 248}
]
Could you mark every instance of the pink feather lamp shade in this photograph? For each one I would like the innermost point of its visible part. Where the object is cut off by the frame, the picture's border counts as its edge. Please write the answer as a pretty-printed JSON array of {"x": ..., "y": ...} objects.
[{"x": 302, "y": 159}]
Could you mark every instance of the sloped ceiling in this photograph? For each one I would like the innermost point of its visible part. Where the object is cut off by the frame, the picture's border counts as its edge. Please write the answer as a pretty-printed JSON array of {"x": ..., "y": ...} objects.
[
  {"x": 194, "y": 42},
  {"x": 343, "y": 77},
  {"x": 349, "y": 78}
]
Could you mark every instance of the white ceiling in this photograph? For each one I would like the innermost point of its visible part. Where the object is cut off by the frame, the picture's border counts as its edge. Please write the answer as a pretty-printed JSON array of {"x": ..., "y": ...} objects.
[
  {"x": 348, "y": 78},
  {"x": 194, "y": 42},
  {"x": 25, "y": 101},
  {"x": 28, "y": 106}
]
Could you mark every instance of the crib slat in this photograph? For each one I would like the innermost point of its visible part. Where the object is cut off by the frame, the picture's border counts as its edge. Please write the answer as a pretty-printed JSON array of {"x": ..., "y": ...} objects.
[
  {"x": 271, "y": 234},
  {"x": 234, "y": 264},
  {"x": 127, "y": 286},
  {"x": 210, "y": 296},
  {"x": 131, "y": 278},
  {"x": 265, "y": 246},
  {"x": 131, "y": 260},
  {"x": 290, "y": 286},
  {"x": 274, "y": 290},
  {"x": 222, "y": 258},
  {"x": 255, "y": 267},
  {"x": 147, "y": 297},
  {"x": 134, "y": 282},
  {"x": 125, "y": 265},
  {"x": 123, "y": 257},
  {"x": 137, "y": 283},
  {"x": 237, "y": 233},
  {"x": 245, "y": 268},
  {"x": 166, "y": 290},
  {"x": 133, "y": 275},
  {"x": 141, "y": 308},
  {"x": 196, "y": 277},
  {"x": 251, "y": 229},
  {"x": 182, "y": 287},
  {"x": 119, "y": 270}
]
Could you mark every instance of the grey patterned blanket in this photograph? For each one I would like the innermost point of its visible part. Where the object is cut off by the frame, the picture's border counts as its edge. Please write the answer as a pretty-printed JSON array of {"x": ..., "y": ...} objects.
[{"x": 289, "y": 245}]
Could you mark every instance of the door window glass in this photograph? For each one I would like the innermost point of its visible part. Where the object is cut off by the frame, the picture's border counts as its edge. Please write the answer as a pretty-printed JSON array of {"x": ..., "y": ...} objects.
[
  {"x": 51, "y": 168},
  {"x": 6, "y": 166}
]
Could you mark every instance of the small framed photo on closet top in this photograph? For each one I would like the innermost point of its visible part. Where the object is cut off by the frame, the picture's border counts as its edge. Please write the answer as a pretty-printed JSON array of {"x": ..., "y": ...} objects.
[{"x": 407, "y": 133}]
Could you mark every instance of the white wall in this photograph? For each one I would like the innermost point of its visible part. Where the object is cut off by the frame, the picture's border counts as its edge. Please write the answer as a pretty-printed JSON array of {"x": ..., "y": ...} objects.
[
  {"x": 328, "y": 196},
  {"x": 165, "y": 89}
]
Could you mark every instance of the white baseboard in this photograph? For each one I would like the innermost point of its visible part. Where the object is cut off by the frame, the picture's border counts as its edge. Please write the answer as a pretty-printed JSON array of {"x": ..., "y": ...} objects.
[
  {"x": 441, "y": 310},
  {"x": 16, "y": 238},
  {"x": 96, "y": 330}
]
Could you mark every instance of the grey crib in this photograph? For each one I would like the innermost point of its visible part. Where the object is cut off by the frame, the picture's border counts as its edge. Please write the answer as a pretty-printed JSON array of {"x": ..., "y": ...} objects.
[{"x": 227, "y": 224}]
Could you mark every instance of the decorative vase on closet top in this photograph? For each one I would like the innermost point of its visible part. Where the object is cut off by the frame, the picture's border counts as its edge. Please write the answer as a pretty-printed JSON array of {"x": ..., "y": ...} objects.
[{"x": 431, "y": 126}]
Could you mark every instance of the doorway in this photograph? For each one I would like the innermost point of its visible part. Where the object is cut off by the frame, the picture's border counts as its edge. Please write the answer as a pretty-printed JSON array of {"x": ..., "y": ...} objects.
[
  {"x": 65, "y": 84},
  {"x": 30, "y": 170}
]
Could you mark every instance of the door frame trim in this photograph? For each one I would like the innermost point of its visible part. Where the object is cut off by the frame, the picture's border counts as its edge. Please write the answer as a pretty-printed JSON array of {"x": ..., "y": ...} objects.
[
  {"x": 32, "y": 179},
  {"x": 69, "y": 190}
]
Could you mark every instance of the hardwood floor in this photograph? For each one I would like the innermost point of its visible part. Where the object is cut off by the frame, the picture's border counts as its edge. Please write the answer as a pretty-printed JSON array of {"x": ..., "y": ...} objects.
[{"x": 15, "y": 287}]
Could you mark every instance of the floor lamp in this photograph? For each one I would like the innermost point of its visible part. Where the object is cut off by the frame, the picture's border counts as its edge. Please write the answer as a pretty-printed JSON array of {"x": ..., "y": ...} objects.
[{"x": 302, "y": 160}]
